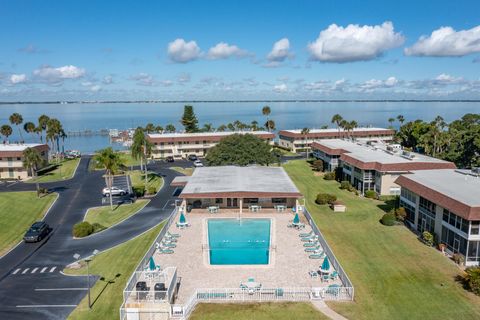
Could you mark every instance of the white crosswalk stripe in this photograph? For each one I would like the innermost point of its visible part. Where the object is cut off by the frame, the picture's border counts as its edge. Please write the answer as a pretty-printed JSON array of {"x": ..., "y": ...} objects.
[{"x": 35, "y": 270}]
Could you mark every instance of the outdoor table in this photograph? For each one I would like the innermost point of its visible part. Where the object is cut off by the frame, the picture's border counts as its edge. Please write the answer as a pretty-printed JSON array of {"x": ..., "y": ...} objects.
[
  {"x": 280, "y": 208},
  {"x": 212, "y": 209},
  {"x": 252, "y": 285},
  {"x": 255, "y": 208}
]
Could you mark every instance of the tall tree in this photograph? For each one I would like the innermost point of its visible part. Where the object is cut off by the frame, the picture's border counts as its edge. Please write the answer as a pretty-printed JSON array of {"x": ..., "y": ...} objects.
[
  {"x": 6, "y": 131},
  {"x": 189, "y": 120},
  {"x": 112, "y": 162},
  {"x": 222, "y": 128},
  {"x": 337, "y": 119},
  {"x": 141, "y": 147},
  {"x": 231, "y": 127},
  {"x": 32, "y": 161},
  {"x": 17, "y": 119},
  {"x": 207, "y": 127},
  {"x": 170, "y": 128},
  {"x": 159, "y": 129},
  {"x": 266, "y": 112},
  {"x": 391, "y": 121},
  {"x": 150, "y": 128},
  {"x": 401, "y": 119},
  {"x": 254, "y": 125},
  {"x": 29, "y": 127},
  {"x": 270, "y": 125},
  {"x": 305, "y": 132},
  {"x": 42, "y": 125}
]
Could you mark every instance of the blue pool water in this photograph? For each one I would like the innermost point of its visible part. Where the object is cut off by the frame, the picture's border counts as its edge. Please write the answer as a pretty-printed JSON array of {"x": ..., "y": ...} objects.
[{"x": 234, "y": 242}]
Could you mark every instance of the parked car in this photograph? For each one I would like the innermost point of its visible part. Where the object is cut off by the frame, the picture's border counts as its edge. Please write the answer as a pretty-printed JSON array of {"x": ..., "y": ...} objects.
[
  {"x": 192, "y": 157},
  {"x": 38, "y": 231},
  {"x": 72, "y": 154},
  {"x": 170, "y": 159},
  {"x": 114, "y": 190},
  {"x": 198, "y": 163}
]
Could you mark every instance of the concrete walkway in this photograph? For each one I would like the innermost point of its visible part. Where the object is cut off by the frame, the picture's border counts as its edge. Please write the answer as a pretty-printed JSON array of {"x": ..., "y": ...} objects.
[{"x": 321, "y": 306}]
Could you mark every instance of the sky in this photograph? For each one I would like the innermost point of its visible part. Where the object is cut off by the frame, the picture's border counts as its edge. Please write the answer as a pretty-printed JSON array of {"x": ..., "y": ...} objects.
[{"x": 247, "y": 50}]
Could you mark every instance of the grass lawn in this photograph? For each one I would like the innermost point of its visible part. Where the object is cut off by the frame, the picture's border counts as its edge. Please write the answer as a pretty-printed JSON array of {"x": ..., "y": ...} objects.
[
  {"x": 285, "y": 152},
  {"x": 394, "y": 275},
  {"x": 256, "y": 311},
  {"x": 185, "y": 171},
  {"x": 18, "y": 210},
  {"x": 107, "y": 218},
  {"x": 64, "y": 170},
  {"x": 153, "y": 180},
  {"x": 129, "y": 161},
  {"x": 115, "y": 266}
]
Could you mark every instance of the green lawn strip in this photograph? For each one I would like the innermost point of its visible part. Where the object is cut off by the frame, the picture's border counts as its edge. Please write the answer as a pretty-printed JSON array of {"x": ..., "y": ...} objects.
[
  {"x": 285, "y": 152},
  {"x": 107, "y": 217},
  {"x": 115, "y": 266},
  {"x": 153, "y": 179},
  {"x": 18, "y": 210},
  {"x": 256, "y": 311},
  {"x": 64, "y": 170},
  {"x": 185, "y": 171},
  {"x": 129, "y": 160},
  {"x": 395, "y": 276}
]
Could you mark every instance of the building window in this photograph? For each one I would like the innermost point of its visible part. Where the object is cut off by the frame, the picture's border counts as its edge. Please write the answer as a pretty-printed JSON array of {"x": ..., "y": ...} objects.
[
  {"x": 409, "y": 209},
  {"x": 409, "y": 195},
  {"x": 455, "y": 221},
  {"x": 427, "y": 205},
  {"x": 475, "y": 228},
  {"x": 279, "y": 200},
  {"x": 250, "y": 200},
  {"x": 473, "y": 251},
  {"x": 455, "y": 242},
  {"x": 219, "y": 200}
]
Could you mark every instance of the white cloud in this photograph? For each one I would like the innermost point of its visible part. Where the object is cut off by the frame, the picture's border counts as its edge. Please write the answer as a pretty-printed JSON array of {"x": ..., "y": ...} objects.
[
  {"x": 95, "y": 88},
  {"x": 354, "y": 42},
  {"x": 377, "y": 84},
  {"x": 57, "y": 75},
  {"x": 18, "y": 78},
  {"x": 223, "y": 50},
  {"x": 143, "y": 79},
  {"x": 280, "y": 88},
  {"x": 280, "y": 51},
  {"x": 446, "y": 42},
  {"x": 184, "y": 78},
  {"x": 108, "y": 79},
  {"x": 181, "y": 51},
  {"x": 166, "y": 83}
]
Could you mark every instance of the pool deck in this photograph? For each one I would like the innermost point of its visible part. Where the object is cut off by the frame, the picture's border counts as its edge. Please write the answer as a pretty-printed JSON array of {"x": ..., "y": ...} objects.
[{"x": 288, "y": 268}]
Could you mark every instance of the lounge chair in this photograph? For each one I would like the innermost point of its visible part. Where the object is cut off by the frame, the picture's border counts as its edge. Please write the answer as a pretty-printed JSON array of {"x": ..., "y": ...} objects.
[
  {"x": 311, "y": 244},
  {"x": 334, "y": 275},
  {"x": 169, "y": 245},
  {"x": 316, "y": 256},
  {"x": 305, "y": 235},
  {"x": 313, "y": 274},
  {"x": 312, "y": 249},
  {"x": 312, "y": 239},
  {"x": 182, "y": 225},
  {"x": 170, "y": 239},
  {"x": 251, "y": 279},
  {"x": 325, "y": 277},
  {"x": 173, "y": 235},
  {"x": 165, "y": 251}
]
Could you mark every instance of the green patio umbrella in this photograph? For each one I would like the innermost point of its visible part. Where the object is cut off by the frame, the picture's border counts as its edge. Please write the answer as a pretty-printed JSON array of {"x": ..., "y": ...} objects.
[
  {"x": 151, "y": 265},
  {"x": 182, "y": 218},
  {"x": 325, "y": 265},
  {"x": 296, "y": 220}
]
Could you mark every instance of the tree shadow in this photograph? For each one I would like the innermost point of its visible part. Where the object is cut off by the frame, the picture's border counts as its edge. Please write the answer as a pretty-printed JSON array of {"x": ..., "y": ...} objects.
[
  {"x": 107, "y": 283},
  {"x": 388, "y": 205}
]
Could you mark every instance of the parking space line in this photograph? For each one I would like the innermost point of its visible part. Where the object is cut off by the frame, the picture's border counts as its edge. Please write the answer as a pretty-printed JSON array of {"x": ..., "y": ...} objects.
[
  {"x": 43, "y": 269},
  {"x": 53, "y": 269},
  {"x": 46, "y": 306},
  {"x": 61, "y": 289},
  {"x": 25, "y": 271},
  {"x": 34, "y": 270},
  {"x": 16, "y": 271}
]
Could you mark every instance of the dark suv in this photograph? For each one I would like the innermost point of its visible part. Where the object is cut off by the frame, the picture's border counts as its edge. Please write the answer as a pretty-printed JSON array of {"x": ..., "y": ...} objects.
[
  {"x": 192, "y": 157},
  {"x": 170, "y": 159},
  {"x": 37, "y": 232}
]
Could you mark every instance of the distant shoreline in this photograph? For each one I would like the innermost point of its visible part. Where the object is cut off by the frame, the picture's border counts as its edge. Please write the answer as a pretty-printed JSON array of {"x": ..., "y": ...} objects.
[{"x": 230, "y": 101}]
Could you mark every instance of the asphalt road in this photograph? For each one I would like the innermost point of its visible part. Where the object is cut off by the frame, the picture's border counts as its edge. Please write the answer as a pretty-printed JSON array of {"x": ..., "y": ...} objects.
[{"x": 31, "y": 283}]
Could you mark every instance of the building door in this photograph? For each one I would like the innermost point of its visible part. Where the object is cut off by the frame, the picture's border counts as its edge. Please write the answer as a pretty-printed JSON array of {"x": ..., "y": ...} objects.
[
  {"x": 456, "y": 245},
  {"x": 10, "y": 172},
  {"x": 232, "y": 202}
]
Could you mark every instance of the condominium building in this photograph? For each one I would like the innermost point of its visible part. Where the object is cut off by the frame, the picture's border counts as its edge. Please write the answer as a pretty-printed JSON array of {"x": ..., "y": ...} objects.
[
  {"x": 180, "y": 145},
  {"x": 372, "y": 166},
  {"x": 11, "y": 159},
  {"x": 445, "y": 203},
  {"x": 298, "y": 142}
]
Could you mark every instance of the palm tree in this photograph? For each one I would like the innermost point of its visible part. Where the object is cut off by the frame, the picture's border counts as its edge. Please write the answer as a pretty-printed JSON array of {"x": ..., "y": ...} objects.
[
  {"x": 29, "y": 127},
  {"x": 170, "y": 128},
  {"x": 352, "y": 125},
  {"x": 6, "y": 131},
  {"x": 305, "y": 132},
  {"x": 254, "y": 125},
  {"x": 337, "y": 119},
  {"x": 231, "y": 127},
  {"x": 32, "y": 161},
  {"x": 17, "y": 119},
  {"x": 42, "y": 125},
  {"x": 112, "y": 162},
  {"x": 343, "y": 124},
  {"x": 391, "y": 121},
  {"x": 54, "y": 132},
  {"x": 207, "y": 127},
  {"x": 222, "y": 128},
  {"x": 150, "y": 128},
  {"x": 401, "y": 119},
  {"x": 159, "y": 129},
  {"x": 270, "y": 125},
  {"x": 266, "y": 112}
]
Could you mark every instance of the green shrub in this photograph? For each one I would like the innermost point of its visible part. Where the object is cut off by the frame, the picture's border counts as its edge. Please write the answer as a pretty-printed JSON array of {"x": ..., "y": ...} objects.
[
  {"x": 427, "y": 237},
  {"x": 152, "y": 190},
  {"x": 317, "y": 165},
  {"x": 472, "y": 279},
  {"x": 325, "y": 198},
  {"x": 82, "y": 229},
  {"x": 388, "y": 219},
  {"x": 371, "y": 194},
  {"x": 400, "y": 214},
  {"x": 97, "y": 227},
  {"x": 329, "y": 176},
  {"x": 139, "y": 191},
  {"x": 345, "y": 185}
]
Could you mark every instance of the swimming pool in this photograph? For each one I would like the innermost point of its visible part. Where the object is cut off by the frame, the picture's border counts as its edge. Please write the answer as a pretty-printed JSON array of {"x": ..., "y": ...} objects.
[{"x": 239, "y": 242}]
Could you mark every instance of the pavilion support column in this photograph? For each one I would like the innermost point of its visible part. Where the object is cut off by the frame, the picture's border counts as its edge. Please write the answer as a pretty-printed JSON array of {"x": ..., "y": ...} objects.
[
  {"x": 240, "y": 201},
  {"x": 183, "y": 206},
  {"x": 297, "y": 205}
]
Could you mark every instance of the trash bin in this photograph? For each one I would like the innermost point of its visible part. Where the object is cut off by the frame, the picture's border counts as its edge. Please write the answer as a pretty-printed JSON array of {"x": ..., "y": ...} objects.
[
  {"x": 142, "y": 290},
  {"x": 160, "y": 291}
]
